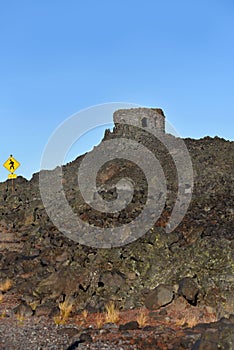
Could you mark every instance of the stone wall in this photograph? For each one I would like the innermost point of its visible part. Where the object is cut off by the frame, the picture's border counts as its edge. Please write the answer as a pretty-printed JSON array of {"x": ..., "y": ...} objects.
[{"x": 142, "y": 117}]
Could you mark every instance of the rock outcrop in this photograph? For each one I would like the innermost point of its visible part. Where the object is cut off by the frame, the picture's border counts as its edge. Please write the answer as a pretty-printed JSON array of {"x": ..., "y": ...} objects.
[{"x": 194, "y": 262}]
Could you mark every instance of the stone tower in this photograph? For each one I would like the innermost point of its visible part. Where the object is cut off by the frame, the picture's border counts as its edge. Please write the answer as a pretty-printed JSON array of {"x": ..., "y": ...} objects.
[{"x": 142, "y": 117}]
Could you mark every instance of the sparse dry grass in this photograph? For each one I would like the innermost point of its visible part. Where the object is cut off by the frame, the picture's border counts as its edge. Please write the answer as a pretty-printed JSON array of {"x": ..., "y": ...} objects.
[
  {"x": 34, "y": 305},
  {"x": 142, "y": 318},
  {"x": 20, "y": 318},
  {"x": 6, "y": 285},
  {"x": 85, "y": 314},
  {"x": 99, "y": 320},
  {"x": 83, "y": 318},
  {"x": 65, "y": 310},
  {"x": 192, "y": 320},
  {"x": 58, "y": 320},
  {"x": 189, "y": 322},
  {"x": 112, "y": 313},
  {"x": 3, "y": 314},
  {"x": 1, "y": 297}
]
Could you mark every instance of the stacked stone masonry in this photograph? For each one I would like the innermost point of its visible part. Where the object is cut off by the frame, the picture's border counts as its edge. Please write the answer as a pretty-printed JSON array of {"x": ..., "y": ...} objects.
[{"x": 153, "y": 118}]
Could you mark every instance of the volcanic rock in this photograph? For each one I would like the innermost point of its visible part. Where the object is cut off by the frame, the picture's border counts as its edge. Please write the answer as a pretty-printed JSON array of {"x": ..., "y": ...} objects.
[
  {"x": 23, "y": 310},
  {"x": 45, "y": 264},
  {"x": 129, "y": 326},
  {"x": 189, "y": 289},
  {"x": 160, "y": 296}
]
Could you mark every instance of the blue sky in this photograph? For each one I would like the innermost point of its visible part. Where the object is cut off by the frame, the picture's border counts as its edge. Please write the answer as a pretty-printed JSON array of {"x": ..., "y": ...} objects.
[{"x": 58, "y": 57}]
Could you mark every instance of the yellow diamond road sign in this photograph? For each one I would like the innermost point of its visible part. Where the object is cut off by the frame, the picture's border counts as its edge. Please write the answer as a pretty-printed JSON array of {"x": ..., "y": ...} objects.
[{"x": 11, "y": 164}]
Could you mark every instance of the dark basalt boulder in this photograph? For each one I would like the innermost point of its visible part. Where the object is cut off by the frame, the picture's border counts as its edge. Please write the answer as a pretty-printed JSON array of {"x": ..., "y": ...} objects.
[{"x": 189, "y": 290}]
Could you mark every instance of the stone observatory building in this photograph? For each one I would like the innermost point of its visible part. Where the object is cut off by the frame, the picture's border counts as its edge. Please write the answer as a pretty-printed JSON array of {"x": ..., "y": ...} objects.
[{"x": 142, "y": 117}]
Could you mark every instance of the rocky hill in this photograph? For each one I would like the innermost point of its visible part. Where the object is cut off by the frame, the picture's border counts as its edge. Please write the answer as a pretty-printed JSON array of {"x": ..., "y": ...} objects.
[{"x": 194, "y": 262}]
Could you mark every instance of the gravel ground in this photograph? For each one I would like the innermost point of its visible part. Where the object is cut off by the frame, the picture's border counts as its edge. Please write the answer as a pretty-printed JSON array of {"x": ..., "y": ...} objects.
[
  {"x": 33, "y": 336},
  {"x": 43, "y": 334},
  {"x": 161, "y": 332}
]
